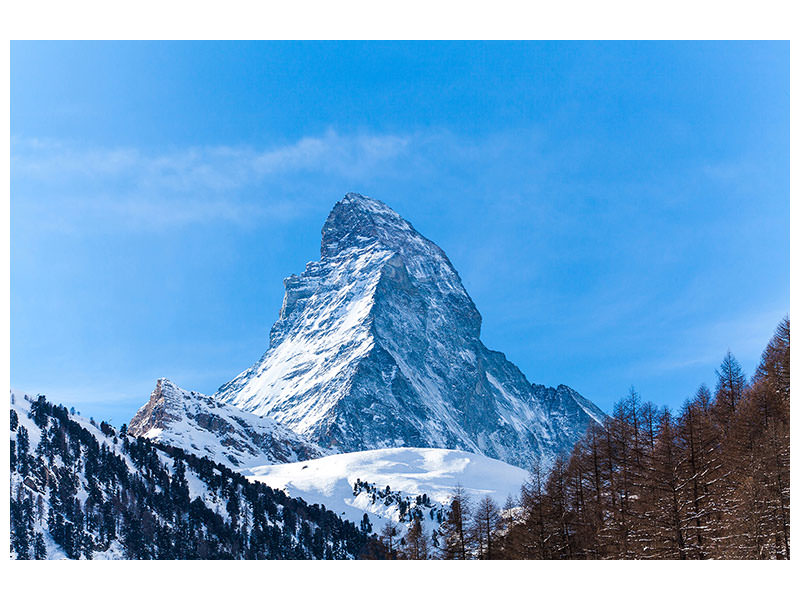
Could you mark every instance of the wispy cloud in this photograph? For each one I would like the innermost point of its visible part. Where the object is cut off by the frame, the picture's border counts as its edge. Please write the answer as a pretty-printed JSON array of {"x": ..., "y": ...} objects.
[
  {"x": 192, "y": 185},
  {"x": 214, "y": 167}
]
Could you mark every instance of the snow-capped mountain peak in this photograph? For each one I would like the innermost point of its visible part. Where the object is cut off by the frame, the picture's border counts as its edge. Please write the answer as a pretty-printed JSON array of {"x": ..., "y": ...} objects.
[
  {"x": 356, "y": 218},
  {"x": 377, "y": 345}
]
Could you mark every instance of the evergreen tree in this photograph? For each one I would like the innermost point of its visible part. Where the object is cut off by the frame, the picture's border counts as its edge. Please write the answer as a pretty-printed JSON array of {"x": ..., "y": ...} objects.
[
  {"x": 39, "y": 548},
  {"x": 23, "y": 441},
  {"x": 366, "y": 526}
]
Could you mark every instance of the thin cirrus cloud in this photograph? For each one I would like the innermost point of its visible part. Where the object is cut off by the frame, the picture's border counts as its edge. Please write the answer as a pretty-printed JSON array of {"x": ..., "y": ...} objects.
[
  {"x": 185, "y": 186},
  {"x": 219, "y": 167}
]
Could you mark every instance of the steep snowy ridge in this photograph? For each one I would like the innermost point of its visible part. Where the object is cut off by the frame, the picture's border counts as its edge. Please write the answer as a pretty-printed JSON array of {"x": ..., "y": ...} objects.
[
  {"x": 323, "y": 334},
  {"x": 200, "y": 425},
  {"x": 377, "y": 345}
]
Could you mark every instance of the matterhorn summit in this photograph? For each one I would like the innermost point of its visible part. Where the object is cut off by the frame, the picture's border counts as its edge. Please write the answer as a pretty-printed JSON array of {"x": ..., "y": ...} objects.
[{"x": 377, "y": 345}]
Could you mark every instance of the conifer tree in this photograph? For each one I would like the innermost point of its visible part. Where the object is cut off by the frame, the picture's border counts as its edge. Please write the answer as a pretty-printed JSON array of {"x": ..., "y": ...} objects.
[
  {"x": 455, "y": 545},
  {"x": 388, "y": 533},
  {"x": 529, "y": 540},
  {"x": 39, "y": 548},
  {"x": 485, "y": 522},
  {"x": 702, "y": 470},
  {"x": 416, "y": 543},
  {"x": 731, "y": 383}
]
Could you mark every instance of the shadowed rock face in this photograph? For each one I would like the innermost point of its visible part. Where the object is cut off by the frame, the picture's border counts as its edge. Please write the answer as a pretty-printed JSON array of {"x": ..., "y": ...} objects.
[
  {"x": 162, "y": 409},
  {"x": 200, "y": 425},
  {"x": 378, "y": 345}
]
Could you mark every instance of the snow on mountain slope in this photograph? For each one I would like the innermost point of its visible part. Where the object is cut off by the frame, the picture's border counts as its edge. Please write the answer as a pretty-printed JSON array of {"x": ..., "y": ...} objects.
[
  {"x": 377, "y": 345},
  {"x": 409, "y": 473},
  {"x": 79, "y": 490},
  {"x": 25, "y": 484},
  {"x": 200, "y": 425}
]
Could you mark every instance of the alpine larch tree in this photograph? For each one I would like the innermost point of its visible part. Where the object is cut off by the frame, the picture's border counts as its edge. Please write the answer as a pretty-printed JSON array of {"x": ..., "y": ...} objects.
[{"x": 709, "y": 482}]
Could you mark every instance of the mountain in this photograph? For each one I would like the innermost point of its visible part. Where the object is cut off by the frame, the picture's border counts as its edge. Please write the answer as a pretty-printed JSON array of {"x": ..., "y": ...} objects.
[
  {"x": 394, "y": 484},
  {"x": 200, "y": 425},
  {"x": 377, "y": 345},
  {"x": 82, "y": 490}
]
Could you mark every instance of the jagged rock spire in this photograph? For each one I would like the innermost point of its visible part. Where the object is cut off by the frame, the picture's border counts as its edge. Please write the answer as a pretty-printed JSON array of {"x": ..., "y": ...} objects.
[
  {"x": 356, "y": 218},
  {"x": 378, "y": 345}
]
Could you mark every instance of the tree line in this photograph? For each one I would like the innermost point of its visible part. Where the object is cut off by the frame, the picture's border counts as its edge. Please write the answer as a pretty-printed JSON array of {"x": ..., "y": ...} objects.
[{"x": 711, "y": 481}]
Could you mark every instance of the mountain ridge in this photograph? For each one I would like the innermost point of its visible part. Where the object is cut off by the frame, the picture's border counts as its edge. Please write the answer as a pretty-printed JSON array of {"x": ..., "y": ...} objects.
[
  {"x": 199, "y": 424},
  {"x": 377, "y": 344}
]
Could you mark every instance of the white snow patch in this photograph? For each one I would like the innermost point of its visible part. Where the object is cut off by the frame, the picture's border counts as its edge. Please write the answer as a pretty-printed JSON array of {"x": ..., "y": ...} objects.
[{"x": 410, "y": 471}]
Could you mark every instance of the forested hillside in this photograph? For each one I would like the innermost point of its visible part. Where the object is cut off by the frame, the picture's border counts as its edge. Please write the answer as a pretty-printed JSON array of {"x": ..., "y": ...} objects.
[
  {"x": 709, "y": 482},
  {"x": 81, "y": 490}
]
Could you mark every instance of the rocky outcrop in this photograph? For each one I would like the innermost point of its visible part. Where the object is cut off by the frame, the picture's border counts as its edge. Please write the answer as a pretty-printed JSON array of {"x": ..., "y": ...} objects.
[{"x": 201, "y": 425}]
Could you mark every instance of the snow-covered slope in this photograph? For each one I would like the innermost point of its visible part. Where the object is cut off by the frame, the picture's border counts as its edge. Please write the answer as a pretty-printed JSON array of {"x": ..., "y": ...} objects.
[
  {"x": 200, "y": 425},
  {"x": 378, "y": 345},
  {"x": 409, "y": 472},
  {"x": 79, "y": 490}
]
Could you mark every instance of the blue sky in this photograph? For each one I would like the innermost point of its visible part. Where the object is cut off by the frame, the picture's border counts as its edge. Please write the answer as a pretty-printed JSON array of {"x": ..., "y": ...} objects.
[{"x": 619, "y": 212}]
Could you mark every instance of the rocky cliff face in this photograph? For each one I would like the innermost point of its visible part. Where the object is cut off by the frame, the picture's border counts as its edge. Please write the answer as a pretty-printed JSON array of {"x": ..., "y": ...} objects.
[
  {"x": 202, "y": 426},
  {"x": 378, "y": 345}
]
